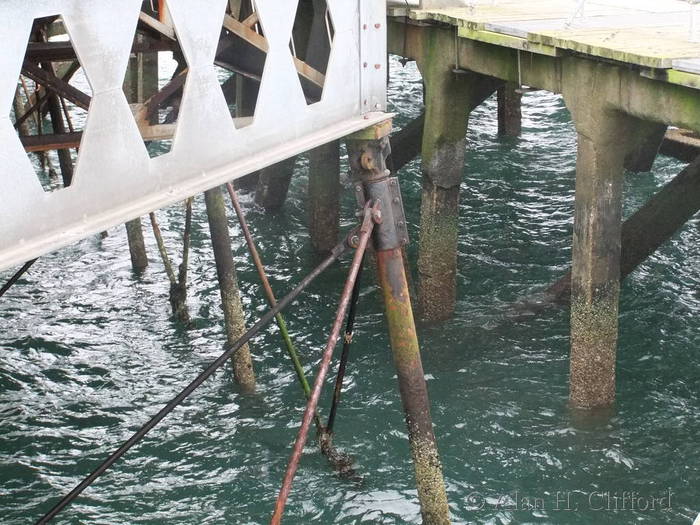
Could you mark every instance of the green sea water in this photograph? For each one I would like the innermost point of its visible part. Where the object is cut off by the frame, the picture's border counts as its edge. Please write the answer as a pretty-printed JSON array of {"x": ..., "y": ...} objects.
[{"x": 88, "y": 353}]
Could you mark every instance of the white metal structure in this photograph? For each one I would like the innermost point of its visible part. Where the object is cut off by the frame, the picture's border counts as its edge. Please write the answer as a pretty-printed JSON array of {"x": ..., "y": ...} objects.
[{"x": 114, "y": 179}]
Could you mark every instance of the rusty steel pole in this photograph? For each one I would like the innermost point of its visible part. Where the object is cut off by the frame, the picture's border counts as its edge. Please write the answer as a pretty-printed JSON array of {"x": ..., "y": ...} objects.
[
  {"x": 367, "y": 152},
  {"x": 360, "y": 241}
]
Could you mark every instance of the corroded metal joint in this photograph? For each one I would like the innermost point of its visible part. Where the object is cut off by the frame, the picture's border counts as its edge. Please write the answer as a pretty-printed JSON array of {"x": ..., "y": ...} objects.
[
  {"x": 390, "y": 231},
  {"x": 369, "y": 161}
]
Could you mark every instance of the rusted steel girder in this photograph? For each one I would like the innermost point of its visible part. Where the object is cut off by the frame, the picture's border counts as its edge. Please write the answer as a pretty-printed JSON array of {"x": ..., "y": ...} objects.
[
  {"x": 367, "y": 152},
  {"x": 360, "y": 242}
]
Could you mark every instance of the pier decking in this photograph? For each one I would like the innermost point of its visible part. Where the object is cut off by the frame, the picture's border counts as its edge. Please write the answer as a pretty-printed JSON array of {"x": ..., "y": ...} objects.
[{"x": 653, "y": 34}]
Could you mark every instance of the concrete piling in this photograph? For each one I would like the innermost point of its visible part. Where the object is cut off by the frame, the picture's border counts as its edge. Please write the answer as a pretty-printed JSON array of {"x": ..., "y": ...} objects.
[
  {"x": 605, "y": 139},
  {"x": 650, "y": 226},
  {"x": 509, "y": 110},
  {"x": 273, "y": 185},
  {"x": 324, "y": 196},
  {"x": 246, "y": 99},
  {"x": 234, "y": 318},
  {"x": 137, "y": 245},
  {"x": 140, "y": 83},
  {"x": 648, "y": 139},
  {"x": 595, "y": 283},
  {"x": 449, "y": 98}
]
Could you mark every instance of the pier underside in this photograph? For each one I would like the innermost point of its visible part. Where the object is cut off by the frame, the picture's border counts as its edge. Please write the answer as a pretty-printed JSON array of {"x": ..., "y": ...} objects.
[{"x": 622, "y": 90}]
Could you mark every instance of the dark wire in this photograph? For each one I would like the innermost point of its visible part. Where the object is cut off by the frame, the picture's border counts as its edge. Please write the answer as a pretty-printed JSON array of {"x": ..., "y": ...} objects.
[
  {"x": 9, "y": 284},
  {"x": 347, "y": 341},
  {"x": 177, "y": 400}
]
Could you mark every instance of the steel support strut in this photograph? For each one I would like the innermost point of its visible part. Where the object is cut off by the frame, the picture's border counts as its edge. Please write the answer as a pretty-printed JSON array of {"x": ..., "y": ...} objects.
[{"x": 367, "y": 153}]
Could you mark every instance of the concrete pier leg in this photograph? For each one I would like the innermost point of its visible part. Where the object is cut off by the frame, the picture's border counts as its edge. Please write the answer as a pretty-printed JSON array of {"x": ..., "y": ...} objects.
[
  {"x": 367, "y": 158},
  {"x": 140, "y": 83},
  {"x": 137, "y": 246},
  {"x": 595, "y": 271},
  {"x": 605, "y": 138},
  {"x": 324, "y": 196},
  {"x": 273, "y": 185},
  {"x": 246, "y": 98},
  {"x": 449, "y": 100},
  {"x": 650, "y": 226},
  {"x": 406, "y": 143},
  {"x": 234, "y": 319},
  {"x": 509, "y": 110},
  {"x": 648, "y": 139}
]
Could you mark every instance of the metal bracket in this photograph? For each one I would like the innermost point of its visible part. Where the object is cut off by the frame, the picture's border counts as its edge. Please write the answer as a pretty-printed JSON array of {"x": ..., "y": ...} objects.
[{"x": 391, "y": 232}]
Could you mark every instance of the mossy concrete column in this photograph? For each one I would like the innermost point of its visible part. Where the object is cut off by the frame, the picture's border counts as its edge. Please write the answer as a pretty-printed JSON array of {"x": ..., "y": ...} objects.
[
  {"x": 449, "y": 98},
  {"x": 605, "y": 138},
  {"x": 509, "y": 110},
  {"x": 140, "y": 83},
  {"x": 324, "y": 196},
  {"x": 273, "y": 185},
  {"x": 650, "y": 226},
  {"x": 247, "y": 91},
  {"x": 234, "y": 319},
  {"x": 137, "y": 245},
  {"x": 647, "y": 142}
]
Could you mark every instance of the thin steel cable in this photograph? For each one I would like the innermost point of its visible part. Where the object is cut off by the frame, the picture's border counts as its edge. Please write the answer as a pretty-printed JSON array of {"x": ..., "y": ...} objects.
[
  {"x": 16, "y": 277},
  {"x": 203, "y": 376},
  {"x": 302, "y": 435},
  {"x": 344, "y": 356}
]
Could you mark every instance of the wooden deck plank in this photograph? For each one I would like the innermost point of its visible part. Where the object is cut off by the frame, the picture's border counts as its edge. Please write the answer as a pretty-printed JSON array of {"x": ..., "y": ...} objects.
[
  {"x": 500, "y": 39},
  {"x": 655, "y": 47},
  {"x": 649, "y": 33}
]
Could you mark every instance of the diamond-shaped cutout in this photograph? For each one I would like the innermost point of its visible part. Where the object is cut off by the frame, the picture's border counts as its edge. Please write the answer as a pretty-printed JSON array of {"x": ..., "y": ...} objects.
[
  {"x": 155, "y": 79},
  {"x": 312, "y": 40},
  {"x": 240, "y": 60},
  {"x": 51, "y": 103}
]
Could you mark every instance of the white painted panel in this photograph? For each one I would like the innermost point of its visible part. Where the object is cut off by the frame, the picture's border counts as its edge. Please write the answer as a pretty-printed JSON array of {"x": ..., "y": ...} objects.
[{"x": 115, "y": 180}]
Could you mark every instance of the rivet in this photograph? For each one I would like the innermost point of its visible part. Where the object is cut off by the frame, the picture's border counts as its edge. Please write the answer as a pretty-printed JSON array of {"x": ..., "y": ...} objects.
[
  {"x": 364, "y": 26},
  {"x": 377, "y": 25},
  {"x": 395, "y": 200},
  {"x": 364, "y": 64},
  {"x": 377, "y": 66}
]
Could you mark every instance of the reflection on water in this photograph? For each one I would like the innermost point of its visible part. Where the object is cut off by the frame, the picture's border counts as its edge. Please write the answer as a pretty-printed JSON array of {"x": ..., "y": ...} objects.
[{"x": 89, "y": 353}]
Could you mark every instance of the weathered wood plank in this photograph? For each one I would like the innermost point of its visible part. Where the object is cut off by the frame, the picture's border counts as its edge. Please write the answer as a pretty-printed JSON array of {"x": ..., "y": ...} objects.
[{"x": 646, "y": 32}]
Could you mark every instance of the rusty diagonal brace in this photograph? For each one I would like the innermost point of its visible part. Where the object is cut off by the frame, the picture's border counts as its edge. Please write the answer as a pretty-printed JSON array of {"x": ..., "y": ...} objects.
[{"x": 372, "y": 215}]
